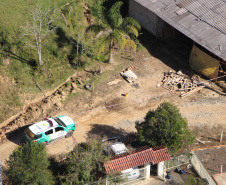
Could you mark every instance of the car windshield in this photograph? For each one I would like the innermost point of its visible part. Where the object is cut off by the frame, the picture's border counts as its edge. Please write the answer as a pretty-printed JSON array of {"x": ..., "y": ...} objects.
[
  {"x": 31, "y": 135},
  {"x": 61, "y": 123}
]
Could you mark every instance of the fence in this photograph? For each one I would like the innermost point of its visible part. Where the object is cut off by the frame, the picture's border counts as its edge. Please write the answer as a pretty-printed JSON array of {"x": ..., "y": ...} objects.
[
  {"x": 201, "y": 170},
  {"x": 177, "y": 161}
]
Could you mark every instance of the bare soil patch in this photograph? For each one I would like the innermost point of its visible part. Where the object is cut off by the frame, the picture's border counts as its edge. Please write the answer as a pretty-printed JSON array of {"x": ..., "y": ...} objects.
[
  {"x": 104, "y": 109},
  {"x": 212, "y": 159}
]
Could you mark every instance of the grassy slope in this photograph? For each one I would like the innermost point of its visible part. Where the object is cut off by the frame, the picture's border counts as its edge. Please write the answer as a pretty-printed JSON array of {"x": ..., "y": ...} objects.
[{"x": 17, "y": 76}]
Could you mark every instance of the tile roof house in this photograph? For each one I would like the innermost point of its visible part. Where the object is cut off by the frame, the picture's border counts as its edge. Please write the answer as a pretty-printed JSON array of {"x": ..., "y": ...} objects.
[
  {"x": 139, "y": 157},
  {"x": 203, "y": 21}
]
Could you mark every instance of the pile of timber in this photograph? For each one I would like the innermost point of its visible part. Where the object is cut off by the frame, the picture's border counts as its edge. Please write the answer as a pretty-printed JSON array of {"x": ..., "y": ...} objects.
[{"x": 179, "y": 81}]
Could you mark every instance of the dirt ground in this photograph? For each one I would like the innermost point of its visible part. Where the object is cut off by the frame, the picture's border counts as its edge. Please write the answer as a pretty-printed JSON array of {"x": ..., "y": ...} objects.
[
  {"x": 105, "y": 109},
  {"x": 212, "y": 159}
]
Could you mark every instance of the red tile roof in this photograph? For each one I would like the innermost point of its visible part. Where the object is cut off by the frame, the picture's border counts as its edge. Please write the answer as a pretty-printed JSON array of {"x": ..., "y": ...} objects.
[{"x": 151, "y": 155}]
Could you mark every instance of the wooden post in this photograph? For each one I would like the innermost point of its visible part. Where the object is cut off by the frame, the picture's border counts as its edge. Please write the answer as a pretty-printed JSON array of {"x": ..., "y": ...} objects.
[
  {"x": 221, "y": 136},
  {"x": 221, "y": 168},
  {"x": 93, "y": 86}
]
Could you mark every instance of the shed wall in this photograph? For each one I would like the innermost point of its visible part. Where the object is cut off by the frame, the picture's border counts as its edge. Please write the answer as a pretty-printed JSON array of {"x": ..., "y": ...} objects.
[{"x": 144, "y": 16}]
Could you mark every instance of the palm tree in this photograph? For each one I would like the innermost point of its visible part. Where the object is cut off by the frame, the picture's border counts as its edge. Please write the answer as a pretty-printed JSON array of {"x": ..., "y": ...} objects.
[{"x": 113, "y": 29}]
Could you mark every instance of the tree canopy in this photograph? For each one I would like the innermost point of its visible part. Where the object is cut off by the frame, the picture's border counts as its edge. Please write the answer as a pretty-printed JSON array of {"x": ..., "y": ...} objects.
[
  {"x": 85, "y": 163},
  {"x": 113, "y": 29},
  {"x": 164, "y": 127},
  {"x": 28, "y": 164}
]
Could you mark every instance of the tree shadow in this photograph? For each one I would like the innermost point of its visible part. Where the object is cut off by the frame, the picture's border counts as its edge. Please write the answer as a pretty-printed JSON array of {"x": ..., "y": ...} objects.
[
  {"x": 7, "y": 51},
  {"x": 107, "y": 131},
  {"x": 58, "y": 169},
  {"x": 63, "y": 40},
  {"x": 17, "y": 136},
  {"x": 174, "y": 53},
  {"x": 31, "y": 62}
]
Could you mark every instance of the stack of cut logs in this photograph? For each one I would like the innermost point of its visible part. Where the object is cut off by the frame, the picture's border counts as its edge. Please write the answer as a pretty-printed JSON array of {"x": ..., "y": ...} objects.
[{"x": 178, "y": 81}]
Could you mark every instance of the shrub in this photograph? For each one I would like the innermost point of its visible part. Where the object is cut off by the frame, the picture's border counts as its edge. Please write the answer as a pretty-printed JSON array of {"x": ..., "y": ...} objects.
[
  {"x": 164, "y": 127},
  {"x": 85, "y": 163},
  {"x": 28, "y": 164}
]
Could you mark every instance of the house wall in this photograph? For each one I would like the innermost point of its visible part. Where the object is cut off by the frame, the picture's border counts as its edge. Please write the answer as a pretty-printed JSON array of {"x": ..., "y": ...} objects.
[{"x": 160, "y": 169}]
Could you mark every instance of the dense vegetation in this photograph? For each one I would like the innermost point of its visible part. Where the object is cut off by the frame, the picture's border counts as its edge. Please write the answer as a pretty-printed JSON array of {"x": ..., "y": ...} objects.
[
  {"x": 85, "y": 163},
  {"x": 29, "y": 164},
  {"x": 61, "y": 47},
  {"x": 164, "y": 127}
]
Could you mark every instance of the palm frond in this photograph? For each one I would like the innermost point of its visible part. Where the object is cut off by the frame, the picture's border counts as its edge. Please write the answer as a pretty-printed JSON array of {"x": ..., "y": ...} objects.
[
  {"x": 114, "y": 16},
  {"x": 131, "y": 43},
  {"x": 119, "y": 38},
  {"x": 95, "y": 28},
  {"x": 102, "y": 44},
  {"x": 129, "y": 21},
  {"x": 98, "y": 10},
  {"x": 131, "y": 30}
]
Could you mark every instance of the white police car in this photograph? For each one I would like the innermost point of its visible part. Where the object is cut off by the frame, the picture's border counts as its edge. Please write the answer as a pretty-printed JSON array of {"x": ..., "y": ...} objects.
[{"x": 50, "y": 129}]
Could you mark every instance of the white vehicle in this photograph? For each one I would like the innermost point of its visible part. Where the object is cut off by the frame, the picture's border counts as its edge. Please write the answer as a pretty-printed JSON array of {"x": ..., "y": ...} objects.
[
  {"x": 117, "y": 147},
  {"x": 50, "y": 129},
  {"x": 131, "y": 173}
]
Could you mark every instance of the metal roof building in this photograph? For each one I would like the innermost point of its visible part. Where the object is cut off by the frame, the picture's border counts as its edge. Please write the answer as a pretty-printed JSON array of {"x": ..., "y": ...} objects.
[{"x": 203, "y": 21}]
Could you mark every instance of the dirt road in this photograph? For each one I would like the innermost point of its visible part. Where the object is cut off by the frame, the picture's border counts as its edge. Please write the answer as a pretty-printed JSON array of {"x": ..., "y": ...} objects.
[{"x": 95, "y": 112}]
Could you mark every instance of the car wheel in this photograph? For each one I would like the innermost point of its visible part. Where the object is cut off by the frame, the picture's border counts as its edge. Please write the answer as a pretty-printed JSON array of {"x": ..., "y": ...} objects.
[{"x": 69, "y": 134}]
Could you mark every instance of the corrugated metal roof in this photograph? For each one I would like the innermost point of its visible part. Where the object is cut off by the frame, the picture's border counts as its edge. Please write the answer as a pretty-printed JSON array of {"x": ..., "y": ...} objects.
[
  {"x": 207, "y": 11},
  {"x": 153, "y": 155},
  {"x": 204, "y": 21}
]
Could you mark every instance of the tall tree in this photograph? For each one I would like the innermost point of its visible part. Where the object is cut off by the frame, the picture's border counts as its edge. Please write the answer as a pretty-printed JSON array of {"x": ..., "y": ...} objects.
[
  {"x": 38, "y": 27},
  {"x": 85, "y": 163},
  {"x": 28, "y": 164},
  {"x": 164, "y": 127},
  {"x": 113, "y": 29}
]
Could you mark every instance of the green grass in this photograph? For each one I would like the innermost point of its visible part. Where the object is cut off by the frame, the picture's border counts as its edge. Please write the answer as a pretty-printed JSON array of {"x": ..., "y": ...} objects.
[{"x": 24, "y": 68}]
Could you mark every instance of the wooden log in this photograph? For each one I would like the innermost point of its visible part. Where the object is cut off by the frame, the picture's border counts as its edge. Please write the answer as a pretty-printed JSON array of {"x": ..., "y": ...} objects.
[
  {"x": 199, "y": 141},
  {"x": 191, "y": 92}
]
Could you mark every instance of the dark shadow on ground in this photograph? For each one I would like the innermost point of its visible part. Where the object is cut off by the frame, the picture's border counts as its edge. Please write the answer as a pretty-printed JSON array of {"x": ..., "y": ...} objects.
[
  {"x": 17, "y": 136},
  {"x": 58, "y": 169},
  {"x": 63, "y": 40},
  {"x": 107, "y": 131},
  {"x": 174, "y": 53},
  {"x": 31, "y": 62}
]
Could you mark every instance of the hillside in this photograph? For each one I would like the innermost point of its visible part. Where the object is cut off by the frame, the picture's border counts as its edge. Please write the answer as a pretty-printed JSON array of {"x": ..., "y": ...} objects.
[{"x": 22, "y": 79}]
